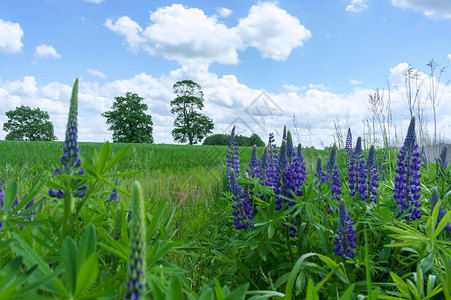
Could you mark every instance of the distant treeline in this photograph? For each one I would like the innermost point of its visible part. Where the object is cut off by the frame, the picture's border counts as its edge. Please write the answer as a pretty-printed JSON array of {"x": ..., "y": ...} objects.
[{"x": 223, "y": 139}]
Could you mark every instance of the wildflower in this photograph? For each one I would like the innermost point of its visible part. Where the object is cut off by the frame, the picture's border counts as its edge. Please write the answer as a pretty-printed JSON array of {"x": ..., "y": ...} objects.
[
  {"x": 113, "y": 195},
  {"x": 334, "y": 174},
  {"x": 407, "y": 190},
  {"x": 441, "y": 212},
  {"x": 290, "y": 147},
  {"x": 321, "y": 176},
  {"x": 372, "y": 177},
  {"x": 441, "y": 160},
  {"x": 71, "y": 154},
  {"x": 349, "y": 144},
  {"x": 260, "y": 171},
  {"x": 241, "y": 205},
  {"x": 345, "y": 236},
  {"x": 253, "y": 163},
  {"x": 136, "y": 272},
  {"x": 233, "y": 158}
]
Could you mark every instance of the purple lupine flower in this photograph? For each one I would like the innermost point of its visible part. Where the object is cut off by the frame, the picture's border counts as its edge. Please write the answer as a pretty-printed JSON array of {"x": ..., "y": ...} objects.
[
  {"x": 260, "y": 172},
  {"x": 356, "y": 171},
  {"x": 321, "y": 176},
  {"x": 349, "y": 144},
  {"x": 136, "y": 271},
  {"x": 345, "y": 237},
  {"x": 335, "y": 183},
  {"x": 253, "y": 163},
  {"x": 240, "y": 203},
  {"x": 407, "y": 184},
  {"x": 441, "y": 212},
  {"x": 290, "y": 148},
  {"x": 332, "y": 161},
  {"x": 113, "y": 195},
  {"x": 232, "y": 158},
  {"x": 441, "y": 160},
  {"x": 71, "y": 154},
  {"x": 272, "y": 174},
  {"x": 372, "y": 176}
]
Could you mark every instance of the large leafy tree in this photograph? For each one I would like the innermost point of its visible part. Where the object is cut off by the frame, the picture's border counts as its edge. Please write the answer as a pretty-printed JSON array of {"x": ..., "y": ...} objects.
[
  {"x": 190, "y": 125},
  {"x": 25, "y": 123},
  {"x": 128, "y": 120}
]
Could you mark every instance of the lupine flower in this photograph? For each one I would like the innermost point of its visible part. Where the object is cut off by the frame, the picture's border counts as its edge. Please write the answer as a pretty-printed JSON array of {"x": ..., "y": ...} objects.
[
  {"x": 349, "y": 144},
  {"x": 253, "y": 163},
  {"x": 260, "y": 172},
  {"x": 356, "y": 171},
  {"x": 113, "y": 195},
  {"x": 136, "y": 272},
  {"x": 332, "y": 160},
  {"x": 233, "y": 158},
  {"x": 372, "y": 176},
  {"x": 441, "y": 212},
  {"x": 290, "y": 147},
  {"x": 70, "y": 159},
  {"x": 241, "y": 205},
  {"x": 345, "y": 237},
  {"x": 321, "y": 176},
  {"x": 423, "y": 157},
  {"x": 334, "y": 174},
  {"x": 441, "y": 161},
  {"x": 272, "y": 174},
  {"x": 407, "y": 190}
]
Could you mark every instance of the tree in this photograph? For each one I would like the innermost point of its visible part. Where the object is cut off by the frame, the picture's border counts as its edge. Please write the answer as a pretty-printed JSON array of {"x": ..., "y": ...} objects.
[
  {"x": 190, "y": 125},
  {"x": 30, "y": 124},
  {"x": 128, "y": 120}
]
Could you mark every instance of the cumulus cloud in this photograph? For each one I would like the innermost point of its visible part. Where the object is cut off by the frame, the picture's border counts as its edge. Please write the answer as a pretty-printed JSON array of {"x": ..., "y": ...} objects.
[
  {"x": 196, "y": 40},
  {"x": 449, "y": 56},
  {"x": 96, "y": 73},
  {"x": 224, "y": 12},
  {"x": 10, "y": 37},
  {"x": 435, "y": 8},
  {"x": 271, "y": 30},
  {"x": 94, "y": 1},
  {"x": 355, "y": 81},
  {"x": 46, "y": 51},
  {"x": 357, "y": 5}
]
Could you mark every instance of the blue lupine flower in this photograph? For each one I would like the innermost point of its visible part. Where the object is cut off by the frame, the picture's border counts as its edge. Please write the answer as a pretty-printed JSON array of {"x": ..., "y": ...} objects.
[
  {"x": 260, "y": 172},
  {"x": 356, "y": 171},
  {"x": 136, "y": 271},
  {"x": 321, "y": 176},
  {"x": 372, "y": 176},
  {"x": 441, "y": 212},
  {"x": 240, "y": 203},
  {"x": 290, "y": 147},
  {"x": 253, "y": 163},
  {"x": 71, "y": 154},
  {"x": 441, "y": 160},
  {"x": 332, "y": 160},
  {"x": 113, "y": 195},
  {"x": 407, "y": 190},
  {"x": 345, "y": 236},
  {"x": 232, "y": 158},
  {"x": 349, "y": 144},
  {"x": 272, "y": 173}
]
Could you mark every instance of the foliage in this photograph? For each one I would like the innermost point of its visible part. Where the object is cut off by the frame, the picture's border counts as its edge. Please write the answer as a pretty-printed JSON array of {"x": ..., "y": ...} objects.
[
  {"x": 190, "y": 125},
  {"x": 128, "y": 120},
  {"x": 25, "y": 123},
  {"x": 223, "y": 140}
]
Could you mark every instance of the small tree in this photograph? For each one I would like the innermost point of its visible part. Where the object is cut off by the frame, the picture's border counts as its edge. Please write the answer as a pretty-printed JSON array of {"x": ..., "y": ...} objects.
[
  {"x": 30, "y": 124},
  {"x": 128, "y": 120},
  {"x": 190, "y": 125}
]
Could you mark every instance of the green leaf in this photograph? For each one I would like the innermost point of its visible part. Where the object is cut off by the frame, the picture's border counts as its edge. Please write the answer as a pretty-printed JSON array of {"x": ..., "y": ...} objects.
[
  {"x": 239, "y": 293},
  {"x": 271, "y": 231},
  {"x": 10, "y": 196},
  {"x": 400, "y": 284},
  {"x": 35, "y": 189},
  {"x": 174, "y": 289},
  {"x": 156, "y": 219},
  {"x": 444, "y": 221},
  {"x": 87, "y": 275},
  {"x": 87, "y": 245},
  {"x": 10, "y": 270},
  {"x": 293, "y": 274},
  {"x": 119, "y": 155},
  {"x": 9, "y": 293},
  {"x": 68, "y": 260},
  {"x": 348, "y": 293},
  {"x": 102, "y": 159},
  {"x": 311, "y": 291},
  {"x": 218, "y": 291}
]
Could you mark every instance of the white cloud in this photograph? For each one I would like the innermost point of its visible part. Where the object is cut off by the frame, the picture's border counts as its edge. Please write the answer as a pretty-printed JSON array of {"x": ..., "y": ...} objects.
[
  {"x": 96, "y": 73},
  {"x": 449, "y": 56},
  {"x": 355, "y": 81},
  {"x": 129, "y": 29},
  {"x": 10, "y": 37},
  {"x": 46, "y": 51},
  {"x": 430, "y": 8},
  {"x": 94, "y": 1},
  {"x": 357, "y": 5},
  {"x": 224, "y": 12},
  {"x": 271, "y": 30},
  {"x": 196, "y": 40},
  {"x": 291, "y": 88}
]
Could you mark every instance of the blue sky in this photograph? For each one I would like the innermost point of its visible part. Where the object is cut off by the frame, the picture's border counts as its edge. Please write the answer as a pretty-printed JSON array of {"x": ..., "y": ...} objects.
[{"x": 316, "y": 60}]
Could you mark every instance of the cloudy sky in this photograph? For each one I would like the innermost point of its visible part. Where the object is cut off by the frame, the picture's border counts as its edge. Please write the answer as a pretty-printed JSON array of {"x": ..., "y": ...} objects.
[{"x": 261, "y": 64}]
